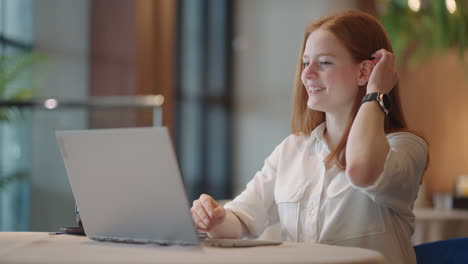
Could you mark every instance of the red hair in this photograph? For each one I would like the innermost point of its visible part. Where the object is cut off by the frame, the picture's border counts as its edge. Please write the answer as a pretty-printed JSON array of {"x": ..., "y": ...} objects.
[{"x": 362, "y": 35}]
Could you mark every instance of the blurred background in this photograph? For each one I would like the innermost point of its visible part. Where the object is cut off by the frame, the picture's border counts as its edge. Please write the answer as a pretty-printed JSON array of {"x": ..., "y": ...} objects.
[{"x": 218, "y": 73}]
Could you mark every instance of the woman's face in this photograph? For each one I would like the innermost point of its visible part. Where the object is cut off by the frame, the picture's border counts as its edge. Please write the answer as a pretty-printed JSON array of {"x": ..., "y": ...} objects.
[{"x": 330, "y": 75}]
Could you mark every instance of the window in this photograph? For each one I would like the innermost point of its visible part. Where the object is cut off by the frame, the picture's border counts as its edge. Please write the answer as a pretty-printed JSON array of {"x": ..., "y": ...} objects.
[
  {"x": 16, "y": 26},
  {"x": 16, "y": 36},
  {"x": 203, "y": 97}
]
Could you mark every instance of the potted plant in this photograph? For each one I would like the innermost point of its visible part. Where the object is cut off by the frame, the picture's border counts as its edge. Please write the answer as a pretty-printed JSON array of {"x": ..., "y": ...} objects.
[{"x": 421, "y": 28}]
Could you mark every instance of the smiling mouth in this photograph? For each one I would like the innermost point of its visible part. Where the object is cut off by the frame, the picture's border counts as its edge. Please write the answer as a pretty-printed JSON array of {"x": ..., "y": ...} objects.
[{"x": 315, "y": 89}]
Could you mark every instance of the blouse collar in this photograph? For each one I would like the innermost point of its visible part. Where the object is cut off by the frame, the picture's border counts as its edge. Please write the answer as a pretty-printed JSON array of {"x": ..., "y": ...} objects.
[{"x": 318, "y": 135}]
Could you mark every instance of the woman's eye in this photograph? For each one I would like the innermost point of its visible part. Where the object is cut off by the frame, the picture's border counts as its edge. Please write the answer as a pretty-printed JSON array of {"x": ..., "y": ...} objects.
[
  {"x": 305, "y": 64},
  {"x": 325, "y": 63}
]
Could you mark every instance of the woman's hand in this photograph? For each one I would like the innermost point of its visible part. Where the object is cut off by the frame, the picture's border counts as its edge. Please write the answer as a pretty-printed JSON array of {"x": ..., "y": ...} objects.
[
  {"x": 384, "y": 76},
  {"x": 207, "y": 213}
]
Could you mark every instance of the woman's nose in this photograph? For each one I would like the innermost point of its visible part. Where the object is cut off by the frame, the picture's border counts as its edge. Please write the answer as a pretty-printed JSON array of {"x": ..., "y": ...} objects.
[{"x": 309, "y": 72}]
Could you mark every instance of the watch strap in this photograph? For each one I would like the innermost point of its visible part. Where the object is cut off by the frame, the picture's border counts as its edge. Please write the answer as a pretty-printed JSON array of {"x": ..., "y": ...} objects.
[
  {"x": 376, "y": 97},
  {"x": 370, "y": 97}
]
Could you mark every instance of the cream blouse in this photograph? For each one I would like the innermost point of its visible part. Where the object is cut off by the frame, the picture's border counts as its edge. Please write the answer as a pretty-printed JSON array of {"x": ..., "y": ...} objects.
[{"x": 316, "y": 205}]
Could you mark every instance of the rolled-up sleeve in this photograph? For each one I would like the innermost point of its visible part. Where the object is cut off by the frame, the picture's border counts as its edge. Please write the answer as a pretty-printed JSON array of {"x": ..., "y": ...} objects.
[
  {"x": 398, "y": 184},
  {"x": 255, "y": 206}
]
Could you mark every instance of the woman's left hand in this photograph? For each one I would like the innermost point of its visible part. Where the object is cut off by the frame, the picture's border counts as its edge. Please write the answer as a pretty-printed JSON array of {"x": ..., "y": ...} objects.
[{"x": 384, "y": 76}]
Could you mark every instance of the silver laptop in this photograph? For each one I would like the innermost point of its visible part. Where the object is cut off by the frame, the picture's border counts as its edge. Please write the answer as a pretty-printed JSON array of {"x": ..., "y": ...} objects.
[{"x": 128, "y": 187}]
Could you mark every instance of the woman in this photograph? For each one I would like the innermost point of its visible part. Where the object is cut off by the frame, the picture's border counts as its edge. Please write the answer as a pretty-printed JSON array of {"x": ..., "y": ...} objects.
[{"x": 349, "y": 173}]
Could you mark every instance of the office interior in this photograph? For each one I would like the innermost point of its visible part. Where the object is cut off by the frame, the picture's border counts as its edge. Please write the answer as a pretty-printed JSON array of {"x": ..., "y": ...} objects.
[{"x": 220, "y": 71}]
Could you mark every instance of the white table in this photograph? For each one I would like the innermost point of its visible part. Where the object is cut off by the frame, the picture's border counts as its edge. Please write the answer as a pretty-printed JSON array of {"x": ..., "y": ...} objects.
[
  {"x": 433, "y": 225},
  {"x": 24, "y": 247}
]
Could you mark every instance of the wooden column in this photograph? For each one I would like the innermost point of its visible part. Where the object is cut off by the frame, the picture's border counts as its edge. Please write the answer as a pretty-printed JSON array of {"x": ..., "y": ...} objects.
[
  {"x": 132, "y": 53},
  {"x": 112, "y": 60},
  {"x": 156, "y": 49}
]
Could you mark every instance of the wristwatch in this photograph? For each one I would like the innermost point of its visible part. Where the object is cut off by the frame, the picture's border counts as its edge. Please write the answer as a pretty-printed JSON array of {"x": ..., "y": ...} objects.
[{"x": 383, "y": 99}]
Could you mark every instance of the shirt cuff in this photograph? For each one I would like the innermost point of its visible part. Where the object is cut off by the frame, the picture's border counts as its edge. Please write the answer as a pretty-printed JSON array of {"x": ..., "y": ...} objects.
[{"x": 254, "y": 228}]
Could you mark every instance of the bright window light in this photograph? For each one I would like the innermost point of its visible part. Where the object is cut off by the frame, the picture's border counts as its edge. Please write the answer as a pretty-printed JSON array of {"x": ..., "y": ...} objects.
[
  {"x": 451, "y": 6},
  {"x": 50, "y": 104},
  {"x": 414, "y": 5}
]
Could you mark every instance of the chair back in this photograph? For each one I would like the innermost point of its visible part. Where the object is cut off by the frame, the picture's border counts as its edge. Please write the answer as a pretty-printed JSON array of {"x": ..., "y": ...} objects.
[{"x": 451, "y": 251}]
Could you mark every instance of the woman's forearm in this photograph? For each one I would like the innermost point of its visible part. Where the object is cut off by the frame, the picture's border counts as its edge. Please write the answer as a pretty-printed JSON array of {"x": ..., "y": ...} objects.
[
  {"x": 231, "y": 227},
  {"x": 367, "y": 146}
]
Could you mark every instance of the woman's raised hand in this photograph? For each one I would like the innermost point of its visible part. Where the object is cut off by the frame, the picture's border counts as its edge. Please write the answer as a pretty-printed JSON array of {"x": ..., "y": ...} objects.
[
  {"x": 207, "y": 213},
  {"x": 384, "y": 76}
]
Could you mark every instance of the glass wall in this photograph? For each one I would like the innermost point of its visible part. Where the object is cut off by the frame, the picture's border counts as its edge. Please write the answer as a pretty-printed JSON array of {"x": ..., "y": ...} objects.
[
  {"x": 34, "y": 190},
  {"x": 203, "y": 97},
  {"x": 16, "y": 37}
]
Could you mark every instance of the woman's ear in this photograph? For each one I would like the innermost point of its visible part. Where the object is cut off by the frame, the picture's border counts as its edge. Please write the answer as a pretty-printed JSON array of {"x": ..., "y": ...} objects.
[{"x": 365, "y": 70}]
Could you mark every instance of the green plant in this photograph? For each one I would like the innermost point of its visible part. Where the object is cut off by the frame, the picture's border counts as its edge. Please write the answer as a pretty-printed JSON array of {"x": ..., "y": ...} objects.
[
  {"x": 5, "y": 180},
  {"x": 13, "y": 75},
  {"x": 430, "y": 30},
  {"x": 15, "y": 67}
]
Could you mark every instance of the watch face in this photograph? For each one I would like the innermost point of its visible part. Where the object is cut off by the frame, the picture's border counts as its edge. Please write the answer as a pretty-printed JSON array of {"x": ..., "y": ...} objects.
[{"x": 387, "y": 102}]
